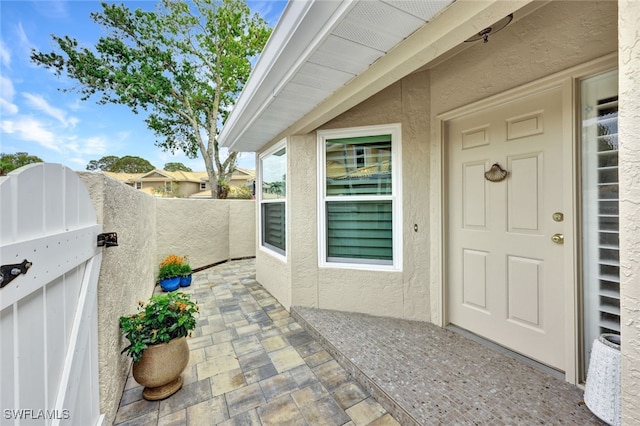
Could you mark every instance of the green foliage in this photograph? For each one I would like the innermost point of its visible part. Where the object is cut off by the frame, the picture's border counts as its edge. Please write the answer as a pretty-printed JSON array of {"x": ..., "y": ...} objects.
[
  {"x": 184, "y": 64},
  {"x": 171, "y": 266},
  {"x": 10, "y": 162},
  {"x": 176, "y": 167},
  {"x": 185, "y": 270},
  {"x": 241, "y": 193},
  {"x": 131, "y": 164},
  {"x": 162, "y": 190},
  {"x": 126, "y": 164},
  {"x": 164, "y": 317},
  {"x": 103, "y": 164}
]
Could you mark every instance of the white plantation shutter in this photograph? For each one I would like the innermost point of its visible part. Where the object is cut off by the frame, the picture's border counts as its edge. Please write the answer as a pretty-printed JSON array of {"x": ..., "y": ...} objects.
[{"x": 601, "y": 258}]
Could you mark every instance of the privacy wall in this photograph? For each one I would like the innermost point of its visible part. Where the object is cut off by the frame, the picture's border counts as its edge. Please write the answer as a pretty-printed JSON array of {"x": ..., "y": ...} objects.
[{"x": 149, "y": 228}]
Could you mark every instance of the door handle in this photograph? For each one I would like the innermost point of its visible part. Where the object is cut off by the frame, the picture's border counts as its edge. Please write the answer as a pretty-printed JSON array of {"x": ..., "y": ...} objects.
[{"x": 558, "y": 238}]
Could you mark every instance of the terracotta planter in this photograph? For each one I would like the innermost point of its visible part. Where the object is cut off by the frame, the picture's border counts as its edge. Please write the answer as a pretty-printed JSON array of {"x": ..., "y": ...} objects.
[{"x": 160, "y": 367}]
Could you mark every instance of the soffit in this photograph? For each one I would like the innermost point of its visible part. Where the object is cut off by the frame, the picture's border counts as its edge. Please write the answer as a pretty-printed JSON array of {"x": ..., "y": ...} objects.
[{"x": 316, "y": 48}]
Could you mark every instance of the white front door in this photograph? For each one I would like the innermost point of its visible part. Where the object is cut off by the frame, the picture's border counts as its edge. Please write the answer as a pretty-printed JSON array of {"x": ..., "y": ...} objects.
[{"x": 505, "y": 279}]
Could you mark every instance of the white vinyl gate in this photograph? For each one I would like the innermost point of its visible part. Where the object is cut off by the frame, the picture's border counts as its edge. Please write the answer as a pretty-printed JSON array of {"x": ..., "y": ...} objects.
[{"x": 48, "y": 315}]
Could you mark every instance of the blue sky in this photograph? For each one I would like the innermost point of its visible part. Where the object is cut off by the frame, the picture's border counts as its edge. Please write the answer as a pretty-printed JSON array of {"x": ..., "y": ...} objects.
[{"x": 58, "y": 127}]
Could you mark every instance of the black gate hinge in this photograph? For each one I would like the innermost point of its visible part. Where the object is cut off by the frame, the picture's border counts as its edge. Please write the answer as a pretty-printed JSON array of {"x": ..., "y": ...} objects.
[
  {"x": 9, "y": 272},
  {"x": 108, "y": 239}
]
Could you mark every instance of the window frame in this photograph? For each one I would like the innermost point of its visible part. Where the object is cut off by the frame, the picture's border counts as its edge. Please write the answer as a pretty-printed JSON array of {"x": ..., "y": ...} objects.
[
  {"x": 266, "y": 247},
  {"x": 203, "y": 186},
  {"x": 395, "y": 130}
]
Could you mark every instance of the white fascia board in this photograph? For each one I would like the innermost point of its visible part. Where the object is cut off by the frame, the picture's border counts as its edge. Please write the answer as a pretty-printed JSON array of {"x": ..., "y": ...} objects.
[
  {"x": 301, "y": 28},
  {"x": 443, "y": 34}
]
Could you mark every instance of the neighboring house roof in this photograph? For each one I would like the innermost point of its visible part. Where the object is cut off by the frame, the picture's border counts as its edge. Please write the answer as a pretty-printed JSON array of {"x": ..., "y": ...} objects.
[
  {"x": 325, "y": 57},
  {"x": 163, "y": 175},
  {"x": 124, "y": 177}
]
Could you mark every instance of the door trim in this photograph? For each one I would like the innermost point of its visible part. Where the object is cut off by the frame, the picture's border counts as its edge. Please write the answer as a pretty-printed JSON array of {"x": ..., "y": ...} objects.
[{"x": 566, "y": 80}]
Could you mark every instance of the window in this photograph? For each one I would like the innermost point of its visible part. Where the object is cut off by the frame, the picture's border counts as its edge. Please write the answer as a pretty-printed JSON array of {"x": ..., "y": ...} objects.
[
  {"x": 360, "y": 204},
  {"x": 600, "y": 239},
  {"x": 203, "y": 186},
  {"x": 168, "y": 187},
  {"x": 272, "y": 197},
  {"x": 138, "y": 185}
]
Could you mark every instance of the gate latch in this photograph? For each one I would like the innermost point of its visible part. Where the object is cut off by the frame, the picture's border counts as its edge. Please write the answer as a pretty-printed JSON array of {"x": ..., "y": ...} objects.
[
  {"x": 9, "y": 272},
  {"x": 108, "y": 239}
]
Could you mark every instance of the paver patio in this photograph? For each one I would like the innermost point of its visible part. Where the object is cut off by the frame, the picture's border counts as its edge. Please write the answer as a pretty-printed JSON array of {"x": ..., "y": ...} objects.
[{"x": 252, "y": 363}]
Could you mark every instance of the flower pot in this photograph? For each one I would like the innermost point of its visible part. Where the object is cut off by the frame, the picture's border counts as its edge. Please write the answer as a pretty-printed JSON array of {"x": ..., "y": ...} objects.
[
  {"x": 185, "y": 281},
  {"x": 170, "y": 284},
  {"x": 160, "y": 367},
  {"x": 602, "y": 390}
]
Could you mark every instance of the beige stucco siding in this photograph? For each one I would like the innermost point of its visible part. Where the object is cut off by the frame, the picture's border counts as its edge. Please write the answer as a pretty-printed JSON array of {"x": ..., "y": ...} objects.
[
  {"x": 405, "y": 293},
  {"x": 629, "y": 129},
  {"x": 303, "y": 212},
  {"x": 553, "y": 38}
]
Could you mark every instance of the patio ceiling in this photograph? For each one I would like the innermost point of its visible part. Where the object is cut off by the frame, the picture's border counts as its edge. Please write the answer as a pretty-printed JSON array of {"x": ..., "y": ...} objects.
[{"x": 320, "y": 49}]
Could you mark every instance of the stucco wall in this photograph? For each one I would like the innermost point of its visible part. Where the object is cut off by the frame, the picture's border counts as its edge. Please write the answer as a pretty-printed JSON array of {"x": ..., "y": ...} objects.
[
  {"x": 405, "y": 293},
  {"x": 629, "y": 155},
  {"x": 177, "y": 217},
  {"x": 553, "y": 38},
  {"x": 208, "y": 231},
  {"x": 149, "y": 228},
  {"x": 127, "y": 275},
  {"x": 242, "y": 228},
  {"x": 303, "y": 241}
]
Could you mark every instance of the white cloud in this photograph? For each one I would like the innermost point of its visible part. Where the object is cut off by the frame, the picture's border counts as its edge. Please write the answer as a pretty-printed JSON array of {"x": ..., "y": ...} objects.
[
  {"x": 5, "y": 55},
  {"x": 41, "y": 104},
  {"x": 25, "y": 43},
  {"x": 30, "y": 129},
  {"x": 7, "y": 107},
  {"x": 6, "y": 97},
  {"x": 95, "y": 146}
]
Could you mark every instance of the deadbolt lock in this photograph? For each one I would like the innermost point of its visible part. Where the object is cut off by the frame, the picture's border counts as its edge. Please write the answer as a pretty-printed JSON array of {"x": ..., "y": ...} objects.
[
  {"x": 558, "y": 238},
  {"x": 558, "y": 217}
]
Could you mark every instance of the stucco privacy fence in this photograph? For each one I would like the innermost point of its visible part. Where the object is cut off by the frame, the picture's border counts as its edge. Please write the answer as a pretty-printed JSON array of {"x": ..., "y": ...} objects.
[{"x": 149, "y": 228}]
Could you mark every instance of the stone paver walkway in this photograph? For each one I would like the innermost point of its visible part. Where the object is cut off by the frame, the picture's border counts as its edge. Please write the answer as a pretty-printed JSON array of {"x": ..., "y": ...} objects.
[{"x": 252, "y": 364}]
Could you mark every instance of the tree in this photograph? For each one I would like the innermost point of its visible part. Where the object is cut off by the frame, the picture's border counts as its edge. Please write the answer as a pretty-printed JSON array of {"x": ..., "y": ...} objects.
[
  {"x": 126, "y": 164},
  {"x": 131, "y": 164},
  {"x": 176, "y": 167},
  {"x": 103, "y": 164},
  {"x": 9, "y": 162},
  {"x": 185, "y": 63}
]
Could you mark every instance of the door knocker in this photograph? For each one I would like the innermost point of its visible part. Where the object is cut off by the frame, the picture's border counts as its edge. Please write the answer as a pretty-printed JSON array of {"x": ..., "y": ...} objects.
[{"x": 495, "y": 173}]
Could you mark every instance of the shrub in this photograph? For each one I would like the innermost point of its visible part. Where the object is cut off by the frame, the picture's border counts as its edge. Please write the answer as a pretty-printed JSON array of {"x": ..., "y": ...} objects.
[{"x": 163, "y": 318}]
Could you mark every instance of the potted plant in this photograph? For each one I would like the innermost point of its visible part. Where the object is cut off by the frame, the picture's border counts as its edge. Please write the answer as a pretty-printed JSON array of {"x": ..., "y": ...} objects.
[
  {"x": 170, "y": 272},
  {"x": 185, "y": 273},
  {"x": 157, "y": 342}
]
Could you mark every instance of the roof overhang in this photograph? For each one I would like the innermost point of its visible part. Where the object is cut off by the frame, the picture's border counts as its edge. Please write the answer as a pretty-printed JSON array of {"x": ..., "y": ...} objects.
[{"x": 323, "y": 59}]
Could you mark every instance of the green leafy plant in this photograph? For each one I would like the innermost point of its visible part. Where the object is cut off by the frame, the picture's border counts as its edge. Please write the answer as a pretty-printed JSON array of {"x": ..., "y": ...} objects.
[
  {"x": 185, "y": 268},
  {"x": 163, "y": 318},
  {"x": 171, "y": 267}
]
